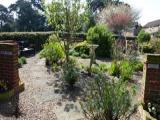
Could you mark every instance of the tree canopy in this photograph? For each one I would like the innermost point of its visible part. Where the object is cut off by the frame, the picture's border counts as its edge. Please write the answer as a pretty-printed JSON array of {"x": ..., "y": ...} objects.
[
  {"x": 66, "y": 16},
  {"x": 29, "y": 15},
  {"x": 100, "y": 4},
  {"x": 6, "y": 19}
]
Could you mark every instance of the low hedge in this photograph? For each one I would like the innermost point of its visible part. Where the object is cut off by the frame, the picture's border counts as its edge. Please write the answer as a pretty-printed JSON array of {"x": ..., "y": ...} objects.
[{"x": 35, "y": 38}]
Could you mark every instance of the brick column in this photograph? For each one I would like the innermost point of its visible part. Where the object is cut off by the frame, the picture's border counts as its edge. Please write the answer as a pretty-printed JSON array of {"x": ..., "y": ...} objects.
[
  {"x": 152, "y": 79},
  {"x": 9, "y": 63}
]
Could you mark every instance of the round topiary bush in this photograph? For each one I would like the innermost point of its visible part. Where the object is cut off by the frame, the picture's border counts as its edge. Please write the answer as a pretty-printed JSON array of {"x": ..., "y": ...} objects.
[{"x": 100, "y": 35}]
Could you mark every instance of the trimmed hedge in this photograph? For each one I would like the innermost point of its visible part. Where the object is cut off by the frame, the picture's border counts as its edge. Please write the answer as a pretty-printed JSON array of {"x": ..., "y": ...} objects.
[{"x": 35, "y": 38}]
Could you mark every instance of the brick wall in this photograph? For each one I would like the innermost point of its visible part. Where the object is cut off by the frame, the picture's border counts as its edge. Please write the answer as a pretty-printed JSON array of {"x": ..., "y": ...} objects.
[
  {"x": 9, "y": 63},
  {"x": 152, "y": 79}
]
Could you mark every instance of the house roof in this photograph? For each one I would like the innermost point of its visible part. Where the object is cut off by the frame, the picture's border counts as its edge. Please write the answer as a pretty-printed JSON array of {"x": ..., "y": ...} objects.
[{"x": 152, "y": 24}]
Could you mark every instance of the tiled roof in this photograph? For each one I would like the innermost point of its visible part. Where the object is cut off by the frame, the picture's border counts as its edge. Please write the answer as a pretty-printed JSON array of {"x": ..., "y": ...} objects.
[{"x": 152, "y": 24}]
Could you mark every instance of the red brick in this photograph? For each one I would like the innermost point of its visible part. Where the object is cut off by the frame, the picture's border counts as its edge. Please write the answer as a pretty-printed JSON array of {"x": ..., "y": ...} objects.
[{"x": 9, "y": 64}]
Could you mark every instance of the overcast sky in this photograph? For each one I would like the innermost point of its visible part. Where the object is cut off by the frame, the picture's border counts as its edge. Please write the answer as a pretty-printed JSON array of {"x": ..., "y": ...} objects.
[{"x": 149, "y": 9}]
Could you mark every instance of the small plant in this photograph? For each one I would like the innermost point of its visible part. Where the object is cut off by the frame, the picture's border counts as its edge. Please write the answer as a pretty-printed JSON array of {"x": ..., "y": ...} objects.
[
  {"x": 126, "y": 70},
  {"x": 70, "y": 72},
  {"x": 53, "y": 50},
  {"x": 71, "y": 51},
  {"x": 82, "y": 48},
  {"x": 55, "y": 67},
  {"x": 147, "y": 48},
  {"x": 76, "y": 54},
  {"x": 19, "y": 63},
  {"x": 156, "y": 44},
  {"x": 115, "y": 69},
  {"x": 105, "y": 99},
  {"x": 95, "y": 69},
  {"x": 138, "y": 66},
  {"x": 104, "y": 67},
  {"x": 143, "y": 37},
  {"x": 22, "y": 61}
]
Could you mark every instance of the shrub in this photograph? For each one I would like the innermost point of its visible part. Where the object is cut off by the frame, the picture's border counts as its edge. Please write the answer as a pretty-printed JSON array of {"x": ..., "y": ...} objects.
[
  {"x": 52, "y": 50},
  {"x": 95, "y": 69},
  {"x": 106, "y": 100},
  {"x": 19, "y": 63},
  {"x": 74, "y": 53},
  {"x": 115, "y": 69},
  {"x": 156, "y": 45},
  {"x": 22, "y": 61},
  {"x": 143, "y": 36},
  {"x": 147, "y": 48},
  {"x": 71, "y": 51},
  {"x": 70, "y": 72},
  {"x": 138, "y": 66},
  {"x": 100, "y": 35},
  {"x": 82, "y": 48},
  {"x": 82, "y": 66},
  {"x": 55, "y": 68},
  {"x": 126, "y": 70},
  {"x": 104, "y": 67}
]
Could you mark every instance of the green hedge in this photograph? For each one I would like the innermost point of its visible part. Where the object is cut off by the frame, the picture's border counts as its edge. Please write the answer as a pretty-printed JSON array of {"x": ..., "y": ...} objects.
[{"x": 35, "y": 38}]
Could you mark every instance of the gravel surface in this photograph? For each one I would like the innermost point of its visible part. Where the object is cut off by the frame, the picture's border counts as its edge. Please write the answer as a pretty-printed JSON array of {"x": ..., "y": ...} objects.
[
  {"x": 31, "y": 103},
  {"x": 40, "y": 100}
]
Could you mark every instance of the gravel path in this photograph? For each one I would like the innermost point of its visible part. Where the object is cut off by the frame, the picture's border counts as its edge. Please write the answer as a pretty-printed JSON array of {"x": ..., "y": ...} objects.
[{"x": 40, "y": 100}]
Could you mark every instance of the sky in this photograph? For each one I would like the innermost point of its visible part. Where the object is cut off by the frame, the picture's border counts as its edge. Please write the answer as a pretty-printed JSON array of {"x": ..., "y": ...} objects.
[{"x": 148, "y": 9}]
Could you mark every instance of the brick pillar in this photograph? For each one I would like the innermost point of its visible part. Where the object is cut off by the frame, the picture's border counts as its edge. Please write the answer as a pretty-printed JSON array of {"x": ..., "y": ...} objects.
[
  {"x": 9, "y": 63},
  {"x": 152, "y": 79}
]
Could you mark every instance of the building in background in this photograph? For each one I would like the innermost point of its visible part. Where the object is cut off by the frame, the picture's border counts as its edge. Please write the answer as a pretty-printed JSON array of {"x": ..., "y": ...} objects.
[{"x": 152, "y": 27}]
